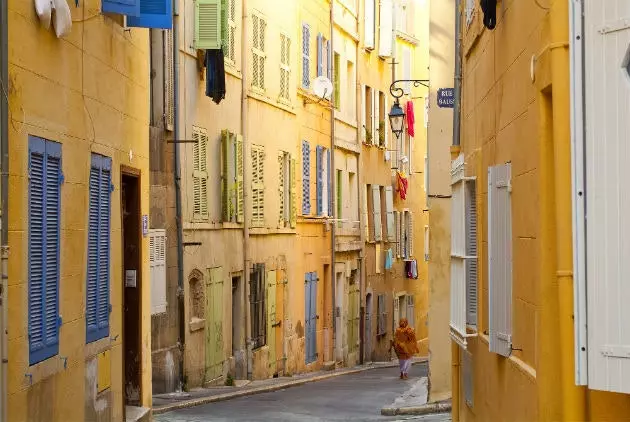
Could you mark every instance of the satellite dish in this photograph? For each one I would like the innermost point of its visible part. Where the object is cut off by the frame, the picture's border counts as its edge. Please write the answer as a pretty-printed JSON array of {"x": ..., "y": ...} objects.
[{"x": 322, "y": 87}]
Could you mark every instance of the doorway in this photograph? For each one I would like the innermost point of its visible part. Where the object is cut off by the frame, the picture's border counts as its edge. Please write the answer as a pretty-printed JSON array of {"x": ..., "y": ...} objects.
[
  {"x": 339, "y": 316},
  {"x": 132, "y": 287},
  {"x": 368, "y": 328},
  {"x": 238, "y": 331}
]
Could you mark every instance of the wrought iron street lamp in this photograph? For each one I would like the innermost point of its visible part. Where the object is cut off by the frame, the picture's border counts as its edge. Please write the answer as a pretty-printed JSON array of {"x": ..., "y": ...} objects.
[{"x": 396, "y": 114}]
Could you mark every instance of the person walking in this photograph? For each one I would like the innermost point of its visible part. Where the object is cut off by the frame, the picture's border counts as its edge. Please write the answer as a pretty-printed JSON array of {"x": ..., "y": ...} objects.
[{"x": 405, "y": 346}]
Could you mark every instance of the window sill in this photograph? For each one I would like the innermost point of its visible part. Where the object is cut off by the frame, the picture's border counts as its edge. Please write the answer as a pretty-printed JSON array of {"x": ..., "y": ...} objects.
[
  {"x": 259, "y": 95},
  {"x": 345, "y": 120},
  {"x": 205, "y": 225},
  {"x": 260, "y": 231},
  {"x": 232, "y": 70},
  {"x": 43, "y": 370},
  {"x": 309, "y": 98},
  {"x": 99, "y": 346}
]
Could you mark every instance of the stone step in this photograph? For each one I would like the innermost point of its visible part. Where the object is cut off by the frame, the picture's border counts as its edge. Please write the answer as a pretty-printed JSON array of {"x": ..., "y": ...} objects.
[{"x": 137, "y": 414}]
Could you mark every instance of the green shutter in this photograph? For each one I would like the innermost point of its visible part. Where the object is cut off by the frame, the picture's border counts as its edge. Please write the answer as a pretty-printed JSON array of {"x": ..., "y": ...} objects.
[
  {"x": 225, "y": 201},
  {"x": 208, "y": 25},
  {"x": 214, "y": 324}
]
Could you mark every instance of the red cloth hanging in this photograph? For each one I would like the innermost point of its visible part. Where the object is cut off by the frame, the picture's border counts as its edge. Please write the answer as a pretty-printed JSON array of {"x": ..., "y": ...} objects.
[
  {"x": 411, "y": 119},
  {"x": 403, "y": 184}
]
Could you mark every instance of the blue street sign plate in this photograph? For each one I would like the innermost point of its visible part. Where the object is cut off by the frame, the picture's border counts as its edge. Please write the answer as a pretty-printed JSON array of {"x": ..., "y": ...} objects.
[{"x": 446, "y": 98}]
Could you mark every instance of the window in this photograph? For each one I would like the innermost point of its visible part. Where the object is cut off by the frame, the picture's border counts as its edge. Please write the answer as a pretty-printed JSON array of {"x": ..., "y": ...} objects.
[
  {"x": 310, "y": 316},
  {"x": 407, "y": 234},
  {"x": 258, "y": 186},
  {"x": 381, "y": 328},
  {"x": 367, "y": 111},
  {"x": 353, "y": 196},
  {"x": 399, "y": 233},
  {"x": 231, "y": 32},
  {"x": 337, "y": 81},
  {"x": 340, "y": 198},
  {"x": 500, "y": 259},
  {"x": 157, "y": 265},
  {"x": 200, "y": 173},
  {"x": 323, "y": 177},
  {"x": 257, "y": 304},
  {"x": 377, "y": 231},
  {"x": 44, "y": 208},
  {"x": 386, "y": 35},
  {"x": 401, "y": 15},
  {"x": 98, "y": 250},
  {"x": 381, "y": 123},
  {"x": 389, "y": 214},
  {"x": 286, "y": 190},
  {"x": 306, "y": 56},
  {"x": 370, "y": 24},
  {"x": 285, "y": 67},
  {"x": 259, "y": 28},
  {"x": 208, "y": 25},
  {"x": 231, "y": 177},
  {"x": 306, "y": 178},
  {"x": 351, "y": 93},
  {"x": 323, "y": 57}
]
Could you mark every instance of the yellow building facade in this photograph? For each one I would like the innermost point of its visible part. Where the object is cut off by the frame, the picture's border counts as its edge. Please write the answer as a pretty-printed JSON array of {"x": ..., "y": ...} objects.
[
  {"x": 519, "y": 341},
  {"x": 78, "y": 277}
]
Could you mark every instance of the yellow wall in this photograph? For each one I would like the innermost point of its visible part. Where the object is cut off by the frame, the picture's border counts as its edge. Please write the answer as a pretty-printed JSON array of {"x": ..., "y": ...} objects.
[{"x": 89, "y": 92}]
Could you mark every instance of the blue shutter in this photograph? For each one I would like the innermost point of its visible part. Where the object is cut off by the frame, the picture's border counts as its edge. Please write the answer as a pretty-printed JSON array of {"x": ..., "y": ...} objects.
[
  {"x": 306, "y": 178},
  {"x": 313, "y": 316},
  {"x": 329, "y": 50},
  {"x": 307, "y": 317},
  {"x": 306, "y": 59},
  {"x": 97, "y": 301},
  {"x": 44, "y": 199},
  {"x": 320, "y": 179},
  {"x": 320, "y": 59},
  {"x": 122, "y": 7},
  {"x": 153, "y": 14},
  {"x": 330, "y": 189}
]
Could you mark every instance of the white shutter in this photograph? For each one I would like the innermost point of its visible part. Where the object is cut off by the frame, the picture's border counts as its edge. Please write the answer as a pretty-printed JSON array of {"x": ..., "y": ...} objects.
[
  {"x": 369, "y": 24},
  {"x": 363, "y": 126},
  {"x": 500, "y": 258},
  {"x": 366, "y": 217},
  {"x": 389, "y": 208},
  {"x": 471, "y": 253},
  {"x": 376, "y": 213},
  {"x": 605, "y": 156},
  {"x": 409, "y": 227},
  {"x": 169, "y": 77},
  {"x": 398, "y": 234},
  {"x": 411, "y": 311},
  {"x": 157, "y": 265},
  {"x": 386, "y": 33}
]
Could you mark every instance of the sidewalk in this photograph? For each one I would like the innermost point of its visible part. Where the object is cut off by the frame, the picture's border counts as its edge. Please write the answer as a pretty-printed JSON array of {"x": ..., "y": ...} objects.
[
  {"x": 414, "y": 402},
  {"x": 172, "y": 401}
]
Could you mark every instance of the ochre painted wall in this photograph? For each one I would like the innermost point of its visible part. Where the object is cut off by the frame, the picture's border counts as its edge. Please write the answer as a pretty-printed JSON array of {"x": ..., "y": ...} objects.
[{"x": 89, "y": 92}]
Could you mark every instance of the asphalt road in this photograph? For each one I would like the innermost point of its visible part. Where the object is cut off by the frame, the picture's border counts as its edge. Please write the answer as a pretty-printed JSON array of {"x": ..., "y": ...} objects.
[{"x": 356, "y": 397}]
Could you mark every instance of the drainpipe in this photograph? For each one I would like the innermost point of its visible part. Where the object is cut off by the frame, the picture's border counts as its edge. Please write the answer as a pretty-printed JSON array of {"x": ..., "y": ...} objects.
[
  {"x": 333, "y": 184},
  {"x": 455, "y": 150},
  {"x": 573, "y": 397},
  {"x": 178, "y": 202},
  {"x": 4, "y": 185},
  {"x": 246, "y": 274}
]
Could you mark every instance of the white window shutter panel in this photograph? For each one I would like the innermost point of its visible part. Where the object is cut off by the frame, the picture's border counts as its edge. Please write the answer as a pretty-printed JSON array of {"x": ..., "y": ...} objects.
[
  {"x": 363, "y": 124},
  {"x": 389, "y": 207},
  {"x": 366, "y": 219},
  {"x": 398, "y": 234},
  {"x": 169, "y": 76},
  {"x": 458, "y": 252},
  {"x": 386, "y": 33},
  {"x": 500, "y": 259},
  {"x": 157, "y": 264},
  {"x": 471, "y": 253},
  {"x": 410, "y": 233},
  {"x": 369, "y": 24},
  {"x": 240, "y": 217},
  {"x": 376, "y": 213}
]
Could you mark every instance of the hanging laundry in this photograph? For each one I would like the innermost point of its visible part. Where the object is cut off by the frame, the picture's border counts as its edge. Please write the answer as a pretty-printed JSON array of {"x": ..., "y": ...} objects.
[
  {"x": 411, "y": 119},
  {"x": 389, "y": 259},
  {"x": 489, "y": 8},
  {"x": 43, "y": 8},
  {"x": 62, "y": 18},
  {"x": 411, "y": 269},
  {"x": 215, "y": 79},
  {"x": 403, "y": 183}
]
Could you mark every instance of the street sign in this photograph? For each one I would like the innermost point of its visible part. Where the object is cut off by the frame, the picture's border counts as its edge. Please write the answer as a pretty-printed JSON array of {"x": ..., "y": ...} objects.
[{"x": 446, "y": 98}]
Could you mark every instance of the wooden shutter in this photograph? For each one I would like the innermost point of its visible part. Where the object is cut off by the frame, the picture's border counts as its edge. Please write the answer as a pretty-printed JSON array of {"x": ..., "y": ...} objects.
[
  {"x": 240, "y": 194},
  {"x": 44, "y": 238},
  {"x": 389, "y": 208},
  {"x": 330, "y": 64},
  {"x": 157, "y": 266},
  {"x": 153, "y": 14},
  {"x": 366, "y": 211},
  {"x": 500, "y": 259},
  {"x": 376, "y": 118},
  {"x": 282, "y": 201},
  {"x": 121, "y": 7},
  {"x": 386, "y": 123},
  {"x": 404, "y": 253},
  {"x": 319, "y": 158},
  {"x": 325, "y": 182},
  {"x": 313, "y": 316},
  {"x": 271, "y": 309},
  {"x": 369, "y": 26},
  {"x": 292, "y": 176},
  {"x": 225, "y": 174},
  {"x": 208, "y": 25},
  {"x": 409, "y": 233},
  {"x": 306, "y": 53},
  {"x": 258, "y": 186},
  {"x": 386, "y": 33},
  {"x": 97, "y": 284},
  {"x": 471, "y": 253},
  {"x": 398, "y": 234},
  {"x": 231, "y": 32},
  {"x": 376, "y": 213},
  {"x": 200, "y": 173},
  {"x": 320, "y": 57},
  {"x": 214, "y": 323},
  {"x": 411, "y": 311},
  {"x": 307, "y": 318},
  {"x": 370, "y": 124},
  {"x": 329, "y": 181},
  {"x": 426, "y": 244},
  {"x": 259, "y": 30},
  {"x": 169, "y": 80},
  {"x": 285, "y": 67},
  {"x": 306, "y": 178}
]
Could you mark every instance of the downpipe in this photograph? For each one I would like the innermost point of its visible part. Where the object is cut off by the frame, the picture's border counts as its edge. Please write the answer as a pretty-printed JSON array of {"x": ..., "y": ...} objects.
[{"x": 4, "y": 194}]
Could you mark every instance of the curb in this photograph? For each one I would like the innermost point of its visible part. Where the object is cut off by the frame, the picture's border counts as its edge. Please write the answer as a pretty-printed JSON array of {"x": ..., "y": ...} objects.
[
  {"x": 427, "y": 409},
  {"x": 268, "y": 388}
]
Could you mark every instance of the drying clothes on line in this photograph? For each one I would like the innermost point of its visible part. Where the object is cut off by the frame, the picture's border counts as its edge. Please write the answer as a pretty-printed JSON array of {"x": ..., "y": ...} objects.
[
  {"x": 403, "y": 184},
  {"x": 389, "y": 259},
  {"x": 411, "y": 119},
  {"x": 411, "y": 269},
  {"x": 215, "y": 79},
  {"x": 489, "y": 8}
]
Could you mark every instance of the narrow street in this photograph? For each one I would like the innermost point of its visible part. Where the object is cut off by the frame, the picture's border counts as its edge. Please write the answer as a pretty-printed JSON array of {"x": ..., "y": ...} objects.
[{"x": 357, "y": 397}]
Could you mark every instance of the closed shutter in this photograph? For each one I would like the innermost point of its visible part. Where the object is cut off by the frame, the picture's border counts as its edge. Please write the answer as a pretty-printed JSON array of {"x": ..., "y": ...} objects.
[
  {"x": 320, "y": 61},
  {"x": 258, "y": 186},
  {"x": 386, "y": 33},
  {"x": 282, "y": 201},
  {"x": 325, "y": 182},
  {"x": 225, "y": 175},
  {"x": 471, "y": 253},
  {"x": 44, "y": 200},
  {"x": 376, "y": 213},
  {"x": 169, "y": 80},
  {"x": 371, "y": 126},
  {"x": 153, "y": 14},
  {"x": 376, "y": 118},
  {"x": 386, "y": 123},
  {"x": 398, "y": 222},
  {"x": 121, "y": 7},
  {"x": 97, "y": 285},
  {"x": 366, "y": 218},
  {"x": 157, "y": 266},
  {"x": 307, "y": 318},
  {"x": 329, "y": 181},
  {"x": 200, "y": 173},
  {"x": 382, "y": 315},
  {"x": 259, "y": 30},
  {"x": 207, "y": 25},
  {"x": 240, "y": 216},
  {"x": 306, "y": 53},
  {"x": 319, "y": 157},
  {"x": 285, "y": 67},
  {"x": 313, "y": 316},
  {"x": 306, "y": 178},
  {"x": 411, "y": 311},
  {"x": 329, "y": 53},
  {"x": 292, "y": 177},
  {"x": 231, "y": 32},
  {"x": 404, "y": 253},
  {"x": 500, "y": 259},
  {"x": 389, "y": 208},
  {"x": 409, "y": 233},
  {"x": 370, "y": 15}
]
